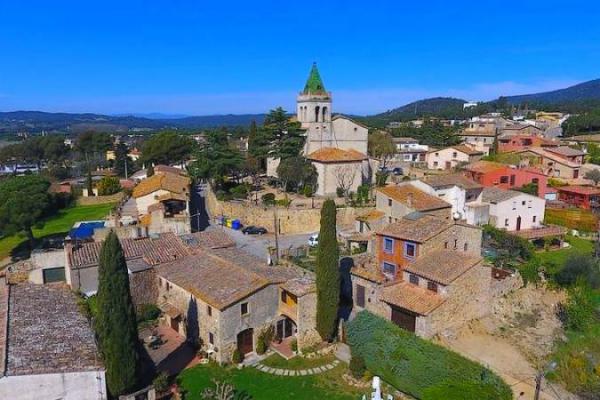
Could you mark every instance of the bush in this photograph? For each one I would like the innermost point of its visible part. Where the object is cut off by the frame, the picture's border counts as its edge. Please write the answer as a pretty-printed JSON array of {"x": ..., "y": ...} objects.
[
  {"x": 268, "y": 199},
  {"x": 339, "y": 192},
  {"x": 294, "y": 344},
  {"x": 579, "y": 266},
  {"x": 307, "y": 191},
  {"x": 580, "y": 313},
  {"x": 161, "y": 382},
  {"x": 148, "y": 312},
  {"x": 264, "y": 339},
  {"x": 108, "y": 185},
  {"x": 285, "y": 202},
  {"x": 240, "y": 191},
  {"x": 381, "y": 178},
  {"x": 237, "y": 357},
  {"x": 412, "y": 364},
  {"x": 357, "y": 367},
  {"x": 514, "y": 245}
]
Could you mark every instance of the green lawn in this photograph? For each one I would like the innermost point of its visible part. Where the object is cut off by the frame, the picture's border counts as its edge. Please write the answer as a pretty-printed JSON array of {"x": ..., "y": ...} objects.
[
  {"x": 558, "y": 257},
  {"x": 59, "y": 223},
  {"x": 263, "y": 386},
  {"x": 276, "y": 361}
]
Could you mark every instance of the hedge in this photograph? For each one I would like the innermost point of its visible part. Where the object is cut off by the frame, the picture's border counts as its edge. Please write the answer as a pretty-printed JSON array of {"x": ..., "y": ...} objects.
[{"x": 414, "y": 365}]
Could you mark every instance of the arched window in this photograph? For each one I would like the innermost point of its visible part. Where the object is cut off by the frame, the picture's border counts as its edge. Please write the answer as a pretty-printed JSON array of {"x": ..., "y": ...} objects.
[
  {"x": 325, "y": 114},
  {"x": 317, "y": 109}
]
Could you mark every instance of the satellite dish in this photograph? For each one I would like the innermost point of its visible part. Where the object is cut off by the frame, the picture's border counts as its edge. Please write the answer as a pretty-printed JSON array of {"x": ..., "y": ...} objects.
[{"x": 456, "y": 215}]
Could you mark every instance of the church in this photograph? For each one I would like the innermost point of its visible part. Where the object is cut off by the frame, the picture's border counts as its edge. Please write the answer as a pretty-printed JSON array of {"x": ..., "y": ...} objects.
[{"x": 336, "y": 146}]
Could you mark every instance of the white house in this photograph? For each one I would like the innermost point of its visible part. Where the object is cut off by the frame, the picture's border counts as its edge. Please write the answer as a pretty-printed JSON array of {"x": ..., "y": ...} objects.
[
  {"x": 454, "y": 189},
  {"x": 507, "y": 209},
  {"x": 450, "y": 157}
]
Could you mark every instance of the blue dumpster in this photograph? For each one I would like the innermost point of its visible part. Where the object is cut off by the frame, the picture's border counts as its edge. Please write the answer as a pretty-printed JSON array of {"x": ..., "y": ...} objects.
[{"x": 236, "y": 224}]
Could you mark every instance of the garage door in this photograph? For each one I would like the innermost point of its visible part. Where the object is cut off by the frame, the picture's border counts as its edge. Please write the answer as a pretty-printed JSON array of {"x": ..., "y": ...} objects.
[{"x": 404, "y": 319}]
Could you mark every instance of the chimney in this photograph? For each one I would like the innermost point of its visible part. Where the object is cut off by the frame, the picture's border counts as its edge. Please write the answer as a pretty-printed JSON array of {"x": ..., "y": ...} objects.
[{"x": 410, "y": 199}]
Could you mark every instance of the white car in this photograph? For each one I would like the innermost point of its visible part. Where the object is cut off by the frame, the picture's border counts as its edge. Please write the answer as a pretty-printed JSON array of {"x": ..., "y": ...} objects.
[{"x": 313, "y": 240}]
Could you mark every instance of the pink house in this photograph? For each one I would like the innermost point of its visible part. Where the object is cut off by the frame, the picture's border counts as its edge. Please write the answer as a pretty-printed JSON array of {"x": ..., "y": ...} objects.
[{"x": 492, "y": 174}]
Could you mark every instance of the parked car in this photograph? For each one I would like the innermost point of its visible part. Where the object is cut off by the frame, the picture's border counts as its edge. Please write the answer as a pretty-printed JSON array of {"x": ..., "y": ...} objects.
[
  {"x": 313, "y": 240},
  {"x": 397, "y": 171},
  {"x": 254, "y": 230}
]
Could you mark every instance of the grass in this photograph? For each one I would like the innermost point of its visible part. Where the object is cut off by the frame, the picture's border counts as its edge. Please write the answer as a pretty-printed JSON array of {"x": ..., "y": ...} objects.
[
  {"x": 557, "y": 258},
  {"x": 573, "y": 218},
  {"x": 263, "y": 386},
  {"x": 61, "y": 222},
  {"x": 276, "y": 361}
]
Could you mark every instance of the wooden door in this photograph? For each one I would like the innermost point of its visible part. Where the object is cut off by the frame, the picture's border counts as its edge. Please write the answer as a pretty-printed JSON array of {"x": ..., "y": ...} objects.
[
  {"x": 245, "y": 341},
  {"x": 360, "y": 296},
  {"x": 519, "y": 223},
  {"x": 448, "y": 165},
  {"x": 404, "y": 319}
]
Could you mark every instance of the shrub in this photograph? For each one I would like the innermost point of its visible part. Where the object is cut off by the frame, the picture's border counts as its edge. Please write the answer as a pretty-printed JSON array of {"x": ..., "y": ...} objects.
[
  {"x": 294, "y": 344},
  {"x": 381, "y": 178},
  {"x": 239, "y": 191},
  {"x": 161, "y": 382},
  {"x": 357, "y": 366},
  {"x": 264, "y": 339},
  {"x": 261, "y": 347},
  {"x": 307, "y": 191},
  {"x": 109, "y": 185},
  {"x": 579, "y": 313},
  {"x": 412, "y": 364},
  {"x": 237, "y": 356},
  {"x": 148, "y": 312},
  {"x": 268, "y": 199},
  {"x": 514, "y": 245},
  {"x": 285, "y": 202},
  {"x": 579, "y": 266},
  {"x": 339, "y": 192}
]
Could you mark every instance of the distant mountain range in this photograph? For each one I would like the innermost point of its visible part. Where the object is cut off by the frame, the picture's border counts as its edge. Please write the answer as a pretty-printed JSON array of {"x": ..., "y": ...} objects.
[
  {"x": 37, "y": 121},
  {"x": 572, "y": 99}
]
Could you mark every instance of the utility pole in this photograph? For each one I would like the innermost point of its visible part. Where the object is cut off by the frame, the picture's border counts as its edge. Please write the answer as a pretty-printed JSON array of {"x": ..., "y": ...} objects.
[{"x": 276, "y": 225}]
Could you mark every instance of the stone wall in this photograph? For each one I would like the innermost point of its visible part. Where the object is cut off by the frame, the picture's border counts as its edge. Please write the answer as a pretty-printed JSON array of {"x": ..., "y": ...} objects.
[
  {"x": 373, "y": 293},
  {"x": 291, "y": 221},
  {"x": 468, "y": 299},
  {"x": 502, "y": 286},
  {"x": 307, "y": 321},
  {"x": 461, "y": 235},
  {"x": 88, "y": 201}
]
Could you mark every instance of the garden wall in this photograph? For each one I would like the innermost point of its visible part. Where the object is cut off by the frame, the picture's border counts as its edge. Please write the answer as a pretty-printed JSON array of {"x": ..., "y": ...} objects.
[
  {"x": 92, "y": 200},
  {"x": 291, "y": 220}
]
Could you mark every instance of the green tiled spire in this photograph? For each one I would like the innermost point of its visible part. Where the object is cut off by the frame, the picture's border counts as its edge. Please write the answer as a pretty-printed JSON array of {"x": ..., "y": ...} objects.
[{"x": 314, "y": 84}]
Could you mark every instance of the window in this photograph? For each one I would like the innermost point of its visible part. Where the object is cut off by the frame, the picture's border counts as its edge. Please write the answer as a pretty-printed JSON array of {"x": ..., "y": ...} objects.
[
  {"x": 209, "y": 311},
  {"x": 437, "y": 154},
  {"x": 389, "y": 202},
  {"x": 454, "y": 154},
  {"x": 504, "y": 179},
  {"x": 534, "y": 218},
  {"x": 506, "y": 222},
  {"x": 514, "y": 205},
  {"x": 523, "y": 203},
  {"x": 410, "y": 250},
  {"x": 445, "y": 245},
  {"x": 466, "y": 246},
  {"x": 211, "y": 338},
  {"x": 360, "y": 296},
  {"x": 435, "y": 163},
  {"x": 283, "y": 296},
  {"x": 432, "y": 286},
  {"x": 455, "y": 244},
  {"x": 167, "y": 286},
  {"x": 244, "y": 308},
  {"x": 390, "y": 220},
  {"x": 512, "y": 180},
  {"x": 388, "y": 245},
  {"x": 160, "y": 282},
  {"x": 535, "y": 181},
  {"x": 413, "y": 279},
  {"x": 389, "y": 269},
  {"x": 529, "y": 204}
]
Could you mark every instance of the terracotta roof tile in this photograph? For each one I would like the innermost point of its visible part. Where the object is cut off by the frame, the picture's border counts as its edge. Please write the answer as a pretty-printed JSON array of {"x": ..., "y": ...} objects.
[
  {"x": 448, "y": 180},
  {"x": 443, "y": 266},
  {"x": 166, "y": 181},
  {"x": 579, "y": 189},
  {"x": 416, "y": 228},
  {"x": 413, "y": 198},
  {"x": 484, "y": 167},
  {"x": 467, "y": 150},
  {"x": 412, "y": 298},
  {"x": 333, "y": 154},
  {"x": 47, "y": 333},
  {"x": 371, "y": 215}
]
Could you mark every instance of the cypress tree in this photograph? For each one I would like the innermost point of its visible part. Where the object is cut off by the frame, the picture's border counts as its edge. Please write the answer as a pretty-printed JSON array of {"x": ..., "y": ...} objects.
[
  {"x": 88, "y": 183},
  {"x": 116, "y": 322},
  {"x": 328, "y": 273}
]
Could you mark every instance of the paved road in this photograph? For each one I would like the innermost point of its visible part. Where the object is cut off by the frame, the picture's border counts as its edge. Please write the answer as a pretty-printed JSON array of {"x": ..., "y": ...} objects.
[{"x": 254, "y": 244}]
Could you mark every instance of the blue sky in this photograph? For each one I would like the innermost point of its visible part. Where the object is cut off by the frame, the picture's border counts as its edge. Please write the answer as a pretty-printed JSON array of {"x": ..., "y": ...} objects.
[{"x": 199, "y": 57}]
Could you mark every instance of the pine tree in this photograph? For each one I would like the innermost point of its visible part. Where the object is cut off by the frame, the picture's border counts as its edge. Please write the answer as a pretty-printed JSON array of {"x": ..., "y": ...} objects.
[
  {"x": 328, "y": 273},
  {"x": 116, "y": 321}
]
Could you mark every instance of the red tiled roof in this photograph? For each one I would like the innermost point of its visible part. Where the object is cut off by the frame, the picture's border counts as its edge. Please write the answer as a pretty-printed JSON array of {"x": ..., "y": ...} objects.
[
  {"x": 333, "y": 154},
  {"x": 585, "y": 190},
  {"x": 419, "y": 229},
  {"x": 412, "y": 298},
  {"x": 467, "y": 150},
  {"x": 484, "y": 167},
  {"x": 443, "y": 266},
  {"x": 413, "y": 198}
]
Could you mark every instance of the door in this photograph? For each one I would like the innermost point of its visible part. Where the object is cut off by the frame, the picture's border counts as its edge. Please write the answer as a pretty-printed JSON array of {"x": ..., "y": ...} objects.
[
  {"x": 519, "y": 223},
  {"x": 245, "y": 341},
  {"x": 360, "y": 296},
  {"x": 404, "y": 319},
  {"x": 448, "y": 165}
]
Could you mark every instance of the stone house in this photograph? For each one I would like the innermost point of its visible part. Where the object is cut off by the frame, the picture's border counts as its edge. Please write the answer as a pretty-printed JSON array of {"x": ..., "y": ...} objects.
[
  {"x": 507, "y": 209},
  {"x": 225, "y": 298},
  {"x": 451, "y": 157},
  {"x": 426, "y": 275},
  {"x": 47, "y": 348},
  {"x": 559, "y": 162},
  {"x": 337, "y": 168},
  {"x": 396, "y": 201},
  {"x": 169, "y": 191}
]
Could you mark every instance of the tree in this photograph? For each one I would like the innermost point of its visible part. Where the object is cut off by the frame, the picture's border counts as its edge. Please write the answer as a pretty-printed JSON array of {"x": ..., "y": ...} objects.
[
  {"x": 216, "y": 159},
  {"x": 345, "y": 175},
  {"x": 284, "y": 136},
  {"x": 593, "y": 175},
  {"x": 295, "y": 172},
  {"x": 92, "y": 146},
  {"x": 115, "y": 322},
  {"x": 150, "y": 171},
  {"x": 167, "y": 148},
  {"x": 328, "y": 273},
  {"x": 109, "y": 185},
  {"x": 123, "y": 164},
  {"x": 381, "y": 147},
  {"x": 23, "y": 201},
  {"x": 89, "y": 185}
]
